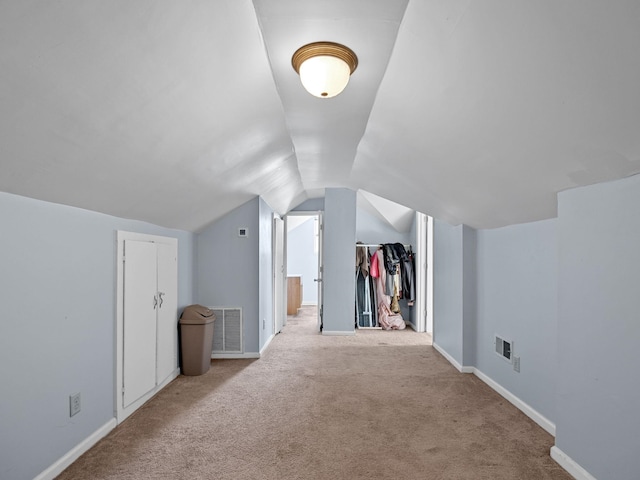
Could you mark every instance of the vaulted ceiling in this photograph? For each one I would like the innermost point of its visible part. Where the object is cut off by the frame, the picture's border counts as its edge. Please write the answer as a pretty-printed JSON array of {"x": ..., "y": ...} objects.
[{"x": 177, "y": 112}]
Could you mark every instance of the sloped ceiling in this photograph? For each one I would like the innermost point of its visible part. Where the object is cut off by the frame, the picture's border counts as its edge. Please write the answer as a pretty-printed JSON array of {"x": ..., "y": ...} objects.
[
  {"x": 395, "y": 215},
  {"x": 177, "y": 112}
]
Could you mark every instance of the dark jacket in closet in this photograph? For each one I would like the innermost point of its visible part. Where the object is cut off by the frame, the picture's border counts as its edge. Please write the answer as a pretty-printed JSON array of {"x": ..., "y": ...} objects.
[{"x": 399, "y": 255}]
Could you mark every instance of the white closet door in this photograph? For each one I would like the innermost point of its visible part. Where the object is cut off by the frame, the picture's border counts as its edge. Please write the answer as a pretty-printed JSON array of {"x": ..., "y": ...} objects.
[
  {"x": 139, "y": 328},
  {"x": 167, "y": 354}
]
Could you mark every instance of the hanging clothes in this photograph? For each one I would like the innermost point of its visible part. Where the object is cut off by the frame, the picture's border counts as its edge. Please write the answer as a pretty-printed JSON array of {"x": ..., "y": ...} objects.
[
  {"x": 409, "y": 277},
  {"x": 366, "y": 313},
  {"x": 373, "y": 264},
  {"x": 391, "y": 263},
  {"x": 362, "y": 258},
  {"x": 386, "y": 318},
  {"x": 406, "y": 263}
]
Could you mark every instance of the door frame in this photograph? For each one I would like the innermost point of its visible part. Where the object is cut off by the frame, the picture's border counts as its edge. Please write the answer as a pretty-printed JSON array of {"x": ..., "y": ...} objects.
[
  {"x": 424, "y": 273},
  {"x": 420, "y": 315},
  {"x": 430, "y": 278},
  {"x": 279, "y": 278},
  {"x": 319, "y": 215},
  {"x": 121, "y": 413},
  {"x": 320, "y": 270}
]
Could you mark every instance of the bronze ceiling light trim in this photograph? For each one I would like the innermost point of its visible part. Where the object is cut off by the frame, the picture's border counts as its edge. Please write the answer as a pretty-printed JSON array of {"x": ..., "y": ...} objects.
[{"x": 324, "y": 67}]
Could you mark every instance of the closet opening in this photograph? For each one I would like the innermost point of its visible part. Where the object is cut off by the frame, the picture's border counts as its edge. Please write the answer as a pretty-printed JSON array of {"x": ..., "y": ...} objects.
[
  {"x": 385, "y": 285},
  {"x": 392, "y": 236}
]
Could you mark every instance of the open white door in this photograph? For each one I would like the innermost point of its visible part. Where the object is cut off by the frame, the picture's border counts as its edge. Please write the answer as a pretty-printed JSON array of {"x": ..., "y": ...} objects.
[
  {"x": 278, "y": 274},
  {"x": 320, "y": 268}
]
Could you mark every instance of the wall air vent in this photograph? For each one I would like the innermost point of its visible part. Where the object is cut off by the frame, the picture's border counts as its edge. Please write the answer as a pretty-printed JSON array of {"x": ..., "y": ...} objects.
[
  {"x": 504, "y": 348},
  {"x": 227, "y": 330}
]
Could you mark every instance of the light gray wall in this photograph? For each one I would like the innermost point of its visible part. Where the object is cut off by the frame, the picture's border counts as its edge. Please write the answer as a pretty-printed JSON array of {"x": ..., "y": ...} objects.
[
  {"x": 339, "y": 260},
  {"x": 371, "y": 229},
  {"x": 599, "y": 328},
  {"x": 303, "y": 260},
  {"x": 57, "y": 334},
  {"x": 447, "y": 288},
  {"x": 469, "y": 295},
  {"x": 517, "y": 299},
  {"x": 310, "y": 205},
  {"x": 454, "y": 290},
  {"x": 228, "y": 268}
]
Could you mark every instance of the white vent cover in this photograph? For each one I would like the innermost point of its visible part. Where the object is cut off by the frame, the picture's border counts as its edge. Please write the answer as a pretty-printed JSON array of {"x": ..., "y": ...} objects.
[
  {"x": 504, "y": 349},
  {"x": 227, "y": 330}
]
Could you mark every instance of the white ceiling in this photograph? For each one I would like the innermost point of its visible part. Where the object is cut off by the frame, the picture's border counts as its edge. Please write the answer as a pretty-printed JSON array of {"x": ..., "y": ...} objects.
[{"x": 177, "y": 112}]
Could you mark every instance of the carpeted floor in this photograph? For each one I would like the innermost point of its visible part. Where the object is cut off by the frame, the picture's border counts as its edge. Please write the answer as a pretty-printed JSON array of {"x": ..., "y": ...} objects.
[{"x": 377, "y": 405}]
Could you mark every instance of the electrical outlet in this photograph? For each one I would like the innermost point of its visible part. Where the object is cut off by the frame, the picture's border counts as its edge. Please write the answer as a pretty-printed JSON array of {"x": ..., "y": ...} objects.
[
  {"x": 516, "y": 363},
  {"x": 74, "y": 404}
]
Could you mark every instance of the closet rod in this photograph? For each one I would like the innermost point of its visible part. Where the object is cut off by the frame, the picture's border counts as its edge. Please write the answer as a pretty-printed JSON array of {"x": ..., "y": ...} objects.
[{"x": 376, "y": 245}]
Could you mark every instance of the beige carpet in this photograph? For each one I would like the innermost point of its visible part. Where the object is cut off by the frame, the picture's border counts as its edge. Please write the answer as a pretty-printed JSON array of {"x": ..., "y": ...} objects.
[{"x": 378, "y": 405}]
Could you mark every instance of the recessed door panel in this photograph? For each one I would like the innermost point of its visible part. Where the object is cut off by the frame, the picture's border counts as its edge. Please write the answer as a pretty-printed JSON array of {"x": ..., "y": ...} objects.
[
  {"x": 167, "y": 354},
  {"x": 139, "y": 327}
]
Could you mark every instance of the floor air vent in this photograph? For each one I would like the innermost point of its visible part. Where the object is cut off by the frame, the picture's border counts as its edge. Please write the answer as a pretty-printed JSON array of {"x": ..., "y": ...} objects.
[{"x": 227, "y": 330}]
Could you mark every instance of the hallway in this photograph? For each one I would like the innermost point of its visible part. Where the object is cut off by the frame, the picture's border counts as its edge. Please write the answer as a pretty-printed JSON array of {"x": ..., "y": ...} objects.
[{"x": 380, "y": 404}]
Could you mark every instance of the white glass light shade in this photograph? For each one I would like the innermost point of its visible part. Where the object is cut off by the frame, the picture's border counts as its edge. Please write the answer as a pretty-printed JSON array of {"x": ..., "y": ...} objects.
[
  {"x": 324, "y": 76},
  {"x": 324, "y": 67}
]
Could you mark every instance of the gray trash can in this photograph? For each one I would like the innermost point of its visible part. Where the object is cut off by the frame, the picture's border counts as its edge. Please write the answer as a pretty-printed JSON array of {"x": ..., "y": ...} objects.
[{"x": 196, "y": 338}]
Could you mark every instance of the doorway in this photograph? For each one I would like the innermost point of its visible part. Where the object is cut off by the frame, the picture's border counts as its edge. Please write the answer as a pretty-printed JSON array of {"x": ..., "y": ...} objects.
[{"x": 303, "y": 261}]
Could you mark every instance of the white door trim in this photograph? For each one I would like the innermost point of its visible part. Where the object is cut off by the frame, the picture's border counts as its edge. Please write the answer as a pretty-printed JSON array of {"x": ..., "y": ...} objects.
[
  {"x": 420, "y": 265},
  {"x": 279, "y": 277},
  {"x": 429, "y": 278}
]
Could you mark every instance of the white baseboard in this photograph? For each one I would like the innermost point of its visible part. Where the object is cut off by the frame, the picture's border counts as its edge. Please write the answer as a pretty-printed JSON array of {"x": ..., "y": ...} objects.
[
  {"x": 72, "y": 455},
  {"x": 168, "y": 380},
  {"x": 338, "y": 333},
  {"x": 235, "y": 355},
  {"x": 450, "y": 359},
  {"x": 523, "y": 406},
  {"x": 566, "y": 462},
  {"x": 266, "y": 345},
  {"x": 123, "y": 413}
]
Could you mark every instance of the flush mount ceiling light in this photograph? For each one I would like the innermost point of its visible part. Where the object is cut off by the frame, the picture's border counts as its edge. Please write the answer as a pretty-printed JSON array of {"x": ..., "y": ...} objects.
[{"x": 324, "y": 67}]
